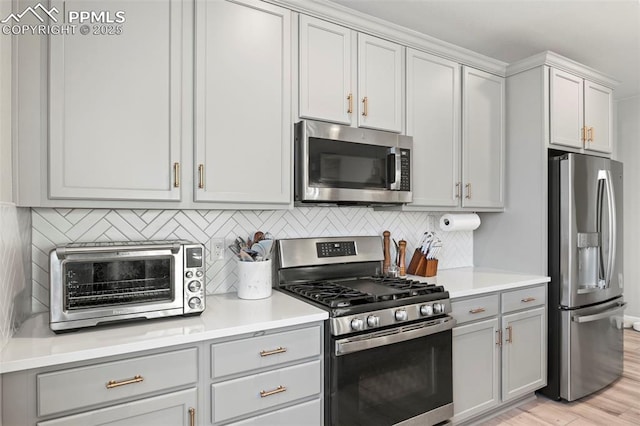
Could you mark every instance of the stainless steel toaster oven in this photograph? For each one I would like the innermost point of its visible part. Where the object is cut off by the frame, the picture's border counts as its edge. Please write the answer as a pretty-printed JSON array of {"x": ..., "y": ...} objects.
[{"x": 100, "y": 283}]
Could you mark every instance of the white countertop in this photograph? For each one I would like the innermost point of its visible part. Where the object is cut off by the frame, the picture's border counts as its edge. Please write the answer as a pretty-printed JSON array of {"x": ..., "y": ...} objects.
[
  {"x": 35, "y": 345},
  {"x": 461, "y": 282}
]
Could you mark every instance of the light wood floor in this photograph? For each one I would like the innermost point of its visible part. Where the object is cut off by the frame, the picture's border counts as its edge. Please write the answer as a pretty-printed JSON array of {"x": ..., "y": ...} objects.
[{"x": 619, "y": 404}]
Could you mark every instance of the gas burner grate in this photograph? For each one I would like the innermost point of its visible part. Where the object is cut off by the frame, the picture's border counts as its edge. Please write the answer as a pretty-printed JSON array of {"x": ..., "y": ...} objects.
[
  {"x": 413, "y": 287},
  {"x": 331, "y": 294}
]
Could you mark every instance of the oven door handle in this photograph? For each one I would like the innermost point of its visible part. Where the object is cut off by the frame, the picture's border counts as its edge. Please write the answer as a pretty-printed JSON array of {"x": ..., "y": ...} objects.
[
  {"x": 350, "y": 345},
  {"x": 63, "y": 252}
]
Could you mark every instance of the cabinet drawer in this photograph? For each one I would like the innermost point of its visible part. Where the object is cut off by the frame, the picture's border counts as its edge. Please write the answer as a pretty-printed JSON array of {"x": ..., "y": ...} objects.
[
  {"x": 246, "y": 395},
  {"x": 475, "y": 309},
  {"x": 265, "y": 351},
  {"x": 524, "y": 298},
  {"x": 86, "y": 386},
  {"x": 308, "y": 414}
]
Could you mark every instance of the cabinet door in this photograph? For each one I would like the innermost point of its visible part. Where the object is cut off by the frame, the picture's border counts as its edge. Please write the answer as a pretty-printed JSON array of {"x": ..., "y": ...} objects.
[
  {"x": 115, "y": 105},
  {"x": 524, "y": 353},
  {"x": 433, "y": 119},
  {"x": 174, "y": 409},
  {"x": 325, "y": 71},
  {"x": 243, "y": 110},
  {"x": 476, "y": 368},
  {"x": 482, "y": 139},
  {"x": 566, "y": 109},
  {"x": 379, "y": 84},
  {"x": 598, "y": 113}
]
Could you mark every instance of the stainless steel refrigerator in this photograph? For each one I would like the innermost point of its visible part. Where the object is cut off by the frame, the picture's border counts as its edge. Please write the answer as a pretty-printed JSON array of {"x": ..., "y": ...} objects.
[{"x": 585, "y": 264}]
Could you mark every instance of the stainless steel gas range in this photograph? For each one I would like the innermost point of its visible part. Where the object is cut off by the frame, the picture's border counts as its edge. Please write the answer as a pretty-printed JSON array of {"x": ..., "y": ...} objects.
[{"x": 388, "y": 345}]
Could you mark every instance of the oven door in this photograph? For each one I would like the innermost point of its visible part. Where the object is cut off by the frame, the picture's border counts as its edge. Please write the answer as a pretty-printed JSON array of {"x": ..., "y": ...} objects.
[{"x": 392, "y": 376}]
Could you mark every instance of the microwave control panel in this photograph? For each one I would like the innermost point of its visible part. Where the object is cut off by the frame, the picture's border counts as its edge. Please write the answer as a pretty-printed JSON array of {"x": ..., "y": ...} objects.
[{"x": 405, "y": 170}]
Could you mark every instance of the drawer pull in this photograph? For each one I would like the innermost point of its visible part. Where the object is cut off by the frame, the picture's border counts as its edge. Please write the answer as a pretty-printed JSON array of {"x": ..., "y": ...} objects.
[
  {"x": 499, "y": 337},
  {"x": 477, "y": 311},
  {"x": 509, "y": 334},
  {"x": 114, "y": 383},
  {"x": 528, "y": 299},
  {"x": 273, "y": 352},
  {"x": 192, "y": 416},
  {"x": 264, "y": 394}
]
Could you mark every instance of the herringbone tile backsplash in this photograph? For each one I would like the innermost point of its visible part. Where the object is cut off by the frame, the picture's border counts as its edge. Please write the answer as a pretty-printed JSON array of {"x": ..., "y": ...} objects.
[{"x": 53, "y": 227}]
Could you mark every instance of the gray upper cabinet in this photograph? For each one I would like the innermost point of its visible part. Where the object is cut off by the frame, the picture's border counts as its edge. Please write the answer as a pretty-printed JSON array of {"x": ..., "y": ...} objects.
[
  {"x": 433, "y": 119},
  {"x": 243, "y": 123},
  {"x": 483, "y": 147},
  {"x": 326, "y": 67},
  {"x": 115, "y": 106}
]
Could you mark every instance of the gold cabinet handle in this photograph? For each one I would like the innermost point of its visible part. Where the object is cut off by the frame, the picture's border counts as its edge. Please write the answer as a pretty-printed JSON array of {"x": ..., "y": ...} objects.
[
  {"x": 114, "y": 383},
  {"x": 192, "y": 416},
  {"x": 591, "y": 132},
  {"x": 264, "y": 394},
  {"x": 350, "y": 107},
  {"x": 458, "y": 188},
  {"x": 468, "y": 196},
  {"x": 365, "y": 106},
  {"x": 528, "y": 299},
  {"x": 509, "y": 334},
  {"x": 176, "y": 175},
  {"x": 499, "y": 337},
  {"x": 273, "y": 352},
  {"x": 201, "y": 176},
  {"x": 584, "y": 133},
  {"x": 477, "y": 311}
]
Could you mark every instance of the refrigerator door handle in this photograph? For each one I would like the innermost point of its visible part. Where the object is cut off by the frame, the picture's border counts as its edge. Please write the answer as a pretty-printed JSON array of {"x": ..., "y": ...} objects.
[
  {"x": 601, "y": 315},
  {"x": 605, "y": 175}
]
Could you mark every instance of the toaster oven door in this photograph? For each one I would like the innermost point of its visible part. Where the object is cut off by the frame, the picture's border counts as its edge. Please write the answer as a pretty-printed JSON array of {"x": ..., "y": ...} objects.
[{"x": 106, "y": 286}]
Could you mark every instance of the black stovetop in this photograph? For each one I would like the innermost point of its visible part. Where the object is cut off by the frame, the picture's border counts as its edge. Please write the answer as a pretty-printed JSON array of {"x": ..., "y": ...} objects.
[{"x": 368, "y": 291}]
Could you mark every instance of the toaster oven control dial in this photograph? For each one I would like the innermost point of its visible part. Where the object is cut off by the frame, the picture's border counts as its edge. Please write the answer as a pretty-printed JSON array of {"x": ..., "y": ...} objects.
[
  {"x": 357, "y": 324},
  {"x": 401, "y": 315},
  {"x": 195, "y": 302},
  {"x": 194, "y": 286},
  {"x": 189, "y": 274},
  {"x": 426, "y": 310},
  {"x": 373, "y": 321},
  {"x": 199, "y": 273}
]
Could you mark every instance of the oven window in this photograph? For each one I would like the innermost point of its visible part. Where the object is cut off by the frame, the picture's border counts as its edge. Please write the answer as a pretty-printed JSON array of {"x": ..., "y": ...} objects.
[
  {"x": 338, "y": 164},
  {"x": 118, "y": 282},
  {"x": 389, "y": 384}
]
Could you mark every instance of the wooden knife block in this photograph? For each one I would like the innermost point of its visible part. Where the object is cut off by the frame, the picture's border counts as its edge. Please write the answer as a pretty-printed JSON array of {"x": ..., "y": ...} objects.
[{"x": 420, "y": 265}]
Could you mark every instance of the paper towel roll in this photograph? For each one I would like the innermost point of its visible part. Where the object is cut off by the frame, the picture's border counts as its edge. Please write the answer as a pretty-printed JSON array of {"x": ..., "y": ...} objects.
[{"x": 459, "y": 222}]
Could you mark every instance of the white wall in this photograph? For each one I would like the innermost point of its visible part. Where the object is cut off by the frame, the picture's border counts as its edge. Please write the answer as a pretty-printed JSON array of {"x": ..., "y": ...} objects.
[{"x": 628, "y": 150}]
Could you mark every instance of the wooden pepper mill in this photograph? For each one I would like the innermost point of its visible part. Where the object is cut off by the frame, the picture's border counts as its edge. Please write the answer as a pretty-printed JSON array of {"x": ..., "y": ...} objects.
[
  {"x": 402, "y": 248},
  {"x": 387, "y": 254}
]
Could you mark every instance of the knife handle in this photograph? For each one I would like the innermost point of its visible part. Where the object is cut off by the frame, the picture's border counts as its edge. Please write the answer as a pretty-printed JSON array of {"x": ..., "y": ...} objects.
[
  {"x": 402, "y": 247},
  {"x": 387, "y": 255}
]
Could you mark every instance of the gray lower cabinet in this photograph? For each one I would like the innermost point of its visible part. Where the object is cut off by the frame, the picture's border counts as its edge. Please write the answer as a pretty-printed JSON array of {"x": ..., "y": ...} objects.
[
  {"x": 156, "y": 387},
  {"x": 173, "y": 409},
  {"x": 268, "y": 379},
  {"x": 499, "y": 350}
]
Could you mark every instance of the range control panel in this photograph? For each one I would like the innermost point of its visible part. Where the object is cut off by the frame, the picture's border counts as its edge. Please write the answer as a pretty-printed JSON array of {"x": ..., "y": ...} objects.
[{"x": 336, "y": 249}]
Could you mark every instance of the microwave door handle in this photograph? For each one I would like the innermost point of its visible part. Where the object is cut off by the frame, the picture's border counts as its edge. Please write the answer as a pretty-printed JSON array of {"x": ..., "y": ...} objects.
[{"x": 394, "y": 169}]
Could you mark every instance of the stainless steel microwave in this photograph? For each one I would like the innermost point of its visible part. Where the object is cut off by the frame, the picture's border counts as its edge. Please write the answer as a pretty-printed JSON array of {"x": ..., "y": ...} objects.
[
  {"x": 100, "y": 283},
  {"x": 337, "y": 164}
]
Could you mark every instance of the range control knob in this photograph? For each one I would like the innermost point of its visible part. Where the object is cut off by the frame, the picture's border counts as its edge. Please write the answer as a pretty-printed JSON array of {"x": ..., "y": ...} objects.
[
  {"x": 401, "y": 315},
  {"x": 189, "y": 274},
  {"x": 195, "y": 302},
  {"x": 426, "y": 310},
  {"x": 373, "y": 321},
  {"x": 194, "y": 286},
  {"x": 357, "y": 324},
  {"x": 438, "y": 308}
]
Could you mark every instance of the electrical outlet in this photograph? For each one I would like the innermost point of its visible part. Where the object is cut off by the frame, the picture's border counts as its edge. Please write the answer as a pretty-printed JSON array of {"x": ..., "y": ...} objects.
[{"x": 217, "y": 248}]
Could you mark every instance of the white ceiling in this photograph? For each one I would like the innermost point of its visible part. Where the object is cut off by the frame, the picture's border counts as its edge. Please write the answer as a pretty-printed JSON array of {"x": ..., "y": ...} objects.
[{"x": 602, "y": 34}]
